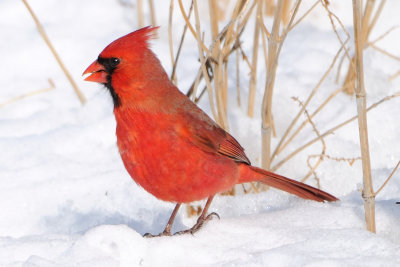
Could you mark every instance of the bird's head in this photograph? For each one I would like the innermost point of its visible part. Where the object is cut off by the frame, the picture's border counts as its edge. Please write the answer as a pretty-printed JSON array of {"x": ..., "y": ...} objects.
[{"x": 122, "y": 63}]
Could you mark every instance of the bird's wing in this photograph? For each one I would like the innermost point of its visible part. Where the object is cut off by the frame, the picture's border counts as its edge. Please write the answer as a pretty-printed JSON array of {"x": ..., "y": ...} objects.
[{"x": 208, "y": 136}]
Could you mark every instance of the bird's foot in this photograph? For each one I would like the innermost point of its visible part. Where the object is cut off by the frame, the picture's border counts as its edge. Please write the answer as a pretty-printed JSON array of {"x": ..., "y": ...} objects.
[
  {"x": 165, "y": 233},
  {"x": 199, "y": 224}
]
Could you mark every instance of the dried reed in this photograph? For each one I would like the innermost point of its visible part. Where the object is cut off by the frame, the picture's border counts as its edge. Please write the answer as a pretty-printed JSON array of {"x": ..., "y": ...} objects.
[
  {"x": 368, "y": 191},
  {"x": 40, "y": 28},
  {"x": 33, "y": 93}
]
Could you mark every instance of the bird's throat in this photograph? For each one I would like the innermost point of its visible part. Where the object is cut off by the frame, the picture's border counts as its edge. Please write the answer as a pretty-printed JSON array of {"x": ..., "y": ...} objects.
[{"x": 114, "y": 95}]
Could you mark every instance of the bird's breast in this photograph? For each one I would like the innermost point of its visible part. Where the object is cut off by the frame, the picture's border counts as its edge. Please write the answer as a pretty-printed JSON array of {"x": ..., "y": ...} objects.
[{"x": 165, "y": 163}]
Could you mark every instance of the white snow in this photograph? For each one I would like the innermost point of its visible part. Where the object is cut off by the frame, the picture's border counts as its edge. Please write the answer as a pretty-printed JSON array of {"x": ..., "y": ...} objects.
[{"x": 66, "y": 199}]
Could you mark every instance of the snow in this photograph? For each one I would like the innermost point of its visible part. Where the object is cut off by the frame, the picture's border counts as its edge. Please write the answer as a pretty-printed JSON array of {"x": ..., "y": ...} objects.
[{"x": 66, "y": 199}]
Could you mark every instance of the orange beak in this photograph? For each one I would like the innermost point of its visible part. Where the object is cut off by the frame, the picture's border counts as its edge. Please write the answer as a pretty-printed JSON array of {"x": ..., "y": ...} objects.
[{"x": 97, "y": 73}]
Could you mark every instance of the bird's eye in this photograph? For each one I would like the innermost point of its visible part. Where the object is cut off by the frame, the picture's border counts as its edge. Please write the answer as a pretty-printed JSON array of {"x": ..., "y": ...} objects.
[{"x": 114, "y": 61}]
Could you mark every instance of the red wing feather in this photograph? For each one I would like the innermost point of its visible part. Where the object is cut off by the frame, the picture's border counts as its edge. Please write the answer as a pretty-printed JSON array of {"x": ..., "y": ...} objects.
[
  {"x": 208, "y": 136},
  {"x": 203, "y": 132},
  {"x": 231, "y": 148}
]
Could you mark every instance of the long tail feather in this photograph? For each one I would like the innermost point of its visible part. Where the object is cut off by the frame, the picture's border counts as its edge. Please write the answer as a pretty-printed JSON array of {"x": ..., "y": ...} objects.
[{"x": 252, "y": 174}]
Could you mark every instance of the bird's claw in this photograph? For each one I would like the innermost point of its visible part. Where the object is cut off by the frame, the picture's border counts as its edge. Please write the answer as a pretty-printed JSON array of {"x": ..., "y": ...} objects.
[
  {"x": 199, "y": 224},
  {"x": 165, "y": 233},
  {"x": 212, "y": 214}
]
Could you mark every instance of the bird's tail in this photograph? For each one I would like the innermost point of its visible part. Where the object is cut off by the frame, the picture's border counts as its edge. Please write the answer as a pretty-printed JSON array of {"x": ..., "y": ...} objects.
[{"x": 252, "y": 174}]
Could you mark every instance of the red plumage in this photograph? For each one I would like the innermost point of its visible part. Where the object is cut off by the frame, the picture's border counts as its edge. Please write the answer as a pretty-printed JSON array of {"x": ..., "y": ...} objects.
[{"x": 168, "y": 145}]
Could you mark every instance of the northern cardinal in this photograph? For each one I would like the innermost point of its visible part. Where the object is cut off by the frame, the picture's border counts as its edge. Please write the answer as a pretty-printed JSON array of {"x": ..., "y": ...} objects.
[{"x": 168, "y": 145}]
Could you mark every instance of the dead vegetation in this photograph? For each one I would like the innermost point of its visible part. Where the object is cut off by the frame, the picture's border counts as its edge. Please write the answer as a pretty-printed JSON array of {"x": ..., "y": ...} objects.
[
  {"x": 215, "y": 59},
  {"x": 225, "y": 31}
]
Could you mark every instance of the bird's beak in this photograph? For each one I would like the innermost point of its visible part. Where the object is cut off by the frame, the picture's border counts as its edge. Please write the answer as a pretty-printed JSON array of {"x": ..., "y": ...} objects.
[{"x": 97, "y": 73}]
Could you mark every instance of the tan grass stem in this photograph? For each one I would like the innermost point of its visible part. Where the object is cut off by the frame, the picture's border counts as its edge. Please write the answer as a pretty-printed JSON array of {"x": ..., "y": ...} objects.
[
  {"x": 253, "y": 73},
  {"x": 42, "y": 32},
  {"x": 139, "y": 7},
  {"x": 330, "y": 131},
  {"x": 170, "y": 41},
  {"x": 152, "y": 13},
  {"x": 388, "y": 179},
  {"x": 266, "y": 109},
  {"x": 37, "y": 92},
  {"x": 202, "y": 59},
  {"x": 368, "y": 192}
]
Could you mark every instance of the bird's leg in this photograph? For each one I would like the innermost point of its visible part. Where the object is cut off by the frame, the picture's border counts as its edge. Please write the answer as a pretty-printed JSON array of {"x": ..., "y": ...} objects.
[
  {"x": 167, "y": 230},
  {"x": 201, "y": 220}
]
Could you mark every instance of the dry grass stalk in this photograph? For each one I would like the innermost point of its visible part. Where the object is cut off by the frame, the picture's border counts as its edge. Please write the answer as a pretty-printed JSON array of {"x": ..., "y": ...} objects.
[
  {"x": 323, "y": 152},
  {"x": 192, "y": 93},
  {"x": 266, "y": 109},
  {"x": 221, "y": 94},
  {"x": 367, "y": 26},
  {"x": 171, "y": 45},
  {"x": 152, "y": 13},
  {"x": 180, "y": 45},
  {"x": 202, "y": 59},
  {"x": 275, "y": 43},
  {"x": 216, "y": 54},
  {"x": 366, "y": 18},
  {"x": 231, "y": 43},
  {"x": 283, "y": 142},
  {"x": 170, "y": 41},
  {"x": 214, "y": 25},
  {"x": 286, "y": 12},
  {"x": 313, "y": 168},
  {"x": 304, "y": 15},
  {"x": 231, "y": 37},
  {"x": 264, "y": 44},
  {"x": 351, "y": 76},
  {"x": 321, "y": 157},
  {"x": 254, "y": 188},
  {"x": 40, "y": 28},
  {"x": 349, "y": 81},
  {"x": 368, "y": 192},
  {"x": 339, "y": 69},
  {"x": 270, "y": 7},
  {"x": 253, "y": 73},
  {"x": 245, "y": 58},
  {"x": 332, "y": 17},
  {"x": 37, "y": 92},
  {"x": 238, "y": 77},
  {"x": 192, "y": 210},
  {"x": 384, "y": 52},
  {"x": 243, "y": 21},
  {"x": 192, "y": 30},
  {"x": 139, "y": 7},
  {"x": 264, "y": 41},
  {"x": 383, "y": 35},
  {"x": 388, "y": 179},
  {"x": 376, "y": 16},
  {"x": 350, "y": 161},
  {"x": 279, "y": 148},
  {"x": 305, "y": 122},
  {"x": 374, "y": 46},
  {"x": 221, "y": 8},
  {"x": 330, "y": 131},
  {"x": 394, "y": 76}
]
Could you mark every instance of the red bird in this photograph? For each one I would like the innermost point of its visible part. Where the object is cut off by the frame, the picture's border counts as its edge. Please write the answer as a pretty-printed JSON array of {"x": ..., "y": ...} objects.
[{"x": 168, "y": 145}]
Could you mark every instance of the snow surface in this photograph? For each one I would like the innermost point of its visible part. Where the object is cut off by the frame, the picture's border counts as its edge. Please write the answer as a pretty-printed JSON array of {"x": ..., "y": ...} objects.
[{"x": 66, "y": 199}]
